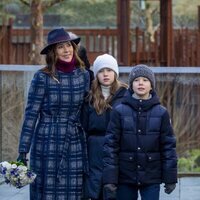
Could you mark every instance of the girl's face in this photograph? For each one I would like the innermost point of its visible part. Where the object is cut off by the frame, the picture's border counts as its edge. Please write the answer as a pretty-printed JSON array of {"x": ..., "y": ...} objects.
[
  {"x": 142, "y": 87},
  {"x": 106, "y": 76},
  {"x": 64, "y": 51}
]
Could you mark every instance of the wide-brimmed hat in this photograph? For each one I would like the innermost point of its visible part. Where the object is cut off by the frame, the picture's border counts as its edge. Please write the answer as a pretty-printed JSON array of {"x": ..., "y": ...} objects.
[{"x": 57, "y": 36}]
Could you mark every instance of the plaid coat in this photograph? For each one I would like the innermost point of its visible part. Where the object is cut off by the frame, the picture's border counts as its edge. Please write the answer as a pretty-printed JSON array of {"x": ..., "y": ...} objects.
[{"x": 52, "y": 130}]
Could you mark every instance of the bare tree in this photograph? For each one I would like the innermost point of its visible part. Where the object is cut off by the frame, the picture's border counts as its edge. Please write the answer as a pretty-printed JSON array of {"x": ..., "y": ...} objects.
[
  {"x": 37, "y": 9},
  {"x": 150, "y": 28},
  {"x": 182, "y": 103}
]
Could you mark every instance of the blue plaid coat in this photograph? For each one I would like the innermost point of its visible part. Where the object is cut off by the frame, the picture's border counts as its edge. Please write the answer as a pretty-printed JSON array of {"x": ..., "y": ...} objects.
[{"x": 52, "y": 130}]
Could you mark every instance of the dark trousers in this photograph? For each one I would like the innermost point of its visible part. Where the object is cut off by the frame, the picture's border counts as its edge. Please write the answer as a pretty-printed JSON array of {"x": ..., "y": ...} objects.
[{"x": 130, "y": 192}]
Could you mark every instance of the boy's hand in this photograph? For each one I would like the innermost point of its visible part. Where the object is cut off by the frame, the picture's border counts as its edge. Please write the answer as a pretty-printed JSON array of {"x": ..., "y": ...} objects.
[
  {"x": 169, "y": 188},
  {"x": 109, "y": 192}
]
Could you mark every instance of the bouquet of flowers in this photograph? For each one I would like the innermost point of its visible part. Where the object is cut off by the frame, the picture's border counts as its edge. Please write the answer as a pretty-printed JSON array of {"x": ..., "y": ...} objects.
[{"x": 16, "y": 174}]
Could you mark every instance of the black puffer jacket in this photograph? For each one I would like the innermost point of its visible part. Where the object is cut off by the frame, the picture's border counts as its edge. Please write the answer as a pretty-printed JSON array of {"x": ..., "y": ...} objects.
[
  {"x": 140, "y": 146},
  {"x": 95, "y": 126}
]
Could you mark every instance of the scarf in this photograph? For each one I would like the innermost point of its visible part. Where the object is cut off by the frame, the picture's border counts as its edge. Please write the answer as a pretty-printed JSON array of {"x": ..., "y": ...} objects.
[{"x": 64, "y": 66}]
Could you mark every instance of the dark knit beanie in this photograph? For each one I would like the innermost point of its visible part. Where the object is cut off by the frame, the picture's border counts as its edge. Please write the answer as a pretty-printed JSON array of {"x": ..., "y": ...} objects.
[{"x": 142, "y": 71}]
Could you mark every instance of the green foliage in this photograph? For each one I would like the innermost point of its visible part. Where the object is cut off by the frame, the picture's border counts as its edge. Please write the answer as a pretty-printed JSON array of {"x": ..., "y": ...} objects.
[
  {"x": 86, "y": 12},
  {"x": 18, "y": 163},
  {"x": 190, "y": 162},
  {"x": 96, "y": 13},
  {"x": 185, "y": 13},
  {"x": 9, "y": 9}
]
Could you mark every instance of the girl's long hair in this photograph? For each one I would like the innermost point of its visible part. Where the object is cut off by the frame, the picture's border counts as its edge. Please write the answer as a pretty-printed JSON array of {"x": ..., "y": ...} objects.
[
  {"x": 51, "y": 60},
  {"x": 96, "y": 98}
]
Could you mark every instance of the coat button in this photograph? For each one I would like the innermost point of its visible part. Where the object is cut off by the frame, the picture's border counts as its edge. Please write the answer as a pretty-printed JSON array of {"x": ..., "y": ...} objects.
[
  {"x": 131, "y": 158},
  {"x": 140, "y": 100},
  {"x": 149, "y": 157},
  {"x": 139, "y": 131},
  {"x": 138, "y": 148},
  {"x": 138, "y": 166}
]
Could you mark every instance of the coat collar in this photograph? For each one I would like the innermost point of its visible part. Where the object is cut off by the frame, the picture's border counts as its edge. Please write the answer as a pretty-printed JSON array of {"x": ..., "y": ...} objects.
[
  {"x": 138, "y": 104},
  {"x": 119, "y": 94}
]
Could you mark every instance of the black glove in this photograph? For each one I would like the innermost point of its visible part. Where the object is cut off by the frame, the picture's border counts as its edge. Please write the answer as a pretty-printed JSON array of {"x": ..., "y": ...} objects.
[
  {"x": 169, "y": 188},
  {"x": 109, "y": 192},
  {"x": 22, "y": 158}
]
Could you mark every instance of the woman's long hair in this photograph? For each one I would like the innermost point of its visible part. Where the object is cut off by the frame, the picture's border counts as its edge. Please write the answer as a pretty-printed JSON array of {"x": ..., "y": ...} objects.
[
  {"x": 51, "y": 59},
  {"x": 96, "y": 98}
]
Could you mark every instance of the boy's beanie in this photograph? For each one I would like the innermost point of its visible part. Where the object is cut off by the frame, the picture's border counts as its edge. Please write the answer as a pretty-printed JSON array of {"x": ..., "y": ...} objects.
[
  {"x": 142, "y": 71},
  {"x": 105, "y": 61}
]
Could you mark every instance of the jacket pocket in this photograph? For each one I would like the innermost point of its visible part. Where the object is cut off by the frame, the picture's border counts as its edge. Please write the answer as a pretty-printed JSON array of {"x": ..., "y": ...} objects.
[
  {"x": 127, "y": 167},
  {"x": 127, "y": 161},
  {"x": 153, "y": 161}
]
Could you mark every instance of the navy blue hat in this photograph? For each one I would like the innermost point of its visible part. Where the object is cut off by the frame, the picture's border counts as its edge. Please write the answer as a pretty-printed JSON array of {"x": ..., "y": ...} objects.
[{"x": 57, "y": 36}]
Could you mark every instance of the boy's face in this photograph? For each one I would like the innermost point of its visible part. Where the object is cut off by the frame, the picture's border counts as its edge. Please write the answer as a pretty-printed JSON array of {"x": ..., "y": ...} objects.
[{"x": 141, "y": 87}]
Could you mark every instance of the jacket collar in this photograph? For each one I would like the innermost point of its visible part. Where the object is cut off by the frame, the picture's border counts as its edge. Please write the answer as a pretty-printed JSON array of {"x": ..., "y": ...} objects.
[
  {"x": 139, "y": 104},
  {"x": 119, "y": 94}
]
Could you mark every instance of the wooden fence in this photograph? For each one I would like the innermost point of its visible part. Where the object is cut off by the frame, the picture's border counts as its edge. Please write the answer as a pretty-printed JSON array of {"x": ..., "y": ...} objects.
[{"x": 15, "y": 45}]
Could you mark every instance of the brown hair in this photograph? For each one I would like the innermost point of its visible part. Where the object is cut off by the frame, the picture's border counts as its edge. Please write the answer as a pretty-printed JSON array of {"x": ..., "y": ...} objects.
[
  {"x": 51, "y": 59},
  {"x": 96, "y": 98}
]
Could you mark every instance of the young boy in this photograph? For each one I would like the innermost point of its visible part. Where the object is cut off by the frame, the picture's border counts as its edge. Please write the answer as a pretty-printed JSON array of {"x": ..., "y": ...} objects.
[{"x": 140, "y": 146}]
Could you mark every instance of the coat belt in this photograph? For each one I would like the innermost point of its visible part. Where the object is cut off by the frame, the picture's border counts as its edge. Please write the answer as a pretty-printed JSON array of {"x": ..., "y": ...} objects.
[
  {"x": 58, "y": 119},
  {"x": 72, "y": 121}
]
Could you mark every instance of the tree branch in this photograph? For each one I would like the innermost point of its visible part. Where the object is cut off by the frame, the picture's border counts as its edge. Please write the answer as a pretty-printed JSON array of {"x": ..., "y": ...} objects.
[
  {"x": 25, "y": 2},
  {"x": 47, "y": 4}
]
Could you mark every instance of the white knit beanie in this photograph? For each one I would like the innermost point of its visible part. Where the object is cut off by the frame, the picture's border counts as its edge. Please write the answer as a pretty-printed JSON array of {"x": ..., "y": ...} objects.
[{"x": 105, "y": 61}]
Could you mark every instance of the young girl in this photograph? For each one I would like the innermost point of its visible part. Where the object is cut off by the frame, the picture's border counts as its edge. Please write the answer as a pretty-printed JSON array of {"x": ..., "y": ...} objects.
[
  {"x": 105, "y": 94},
  {"x": 51, "y": 126},
  {"x": 140, "y": 146}
]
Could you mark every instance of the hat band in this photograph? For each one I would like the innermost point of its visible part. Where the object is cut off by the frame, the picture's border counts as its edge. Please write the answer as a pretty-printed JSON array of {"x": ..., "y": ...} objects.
[{"x": 61, "y": 38}]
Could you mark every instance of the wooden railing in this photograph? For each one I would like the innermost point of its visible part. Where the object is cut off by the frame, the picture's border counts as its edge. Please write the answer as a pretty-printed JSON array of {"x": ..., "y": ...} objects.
[{"x": 15, "y": 45}]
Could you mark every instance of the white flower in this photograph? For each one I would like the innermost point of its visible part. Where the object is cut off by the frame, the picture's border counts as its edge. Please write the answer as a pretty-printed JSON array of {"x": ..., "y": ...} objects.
[
  {"x": 22, "y": 168},
  {"x": 13, "y": 166},
  {"x": 16, "y": 174},
  {"x": 6, "y": 164}
]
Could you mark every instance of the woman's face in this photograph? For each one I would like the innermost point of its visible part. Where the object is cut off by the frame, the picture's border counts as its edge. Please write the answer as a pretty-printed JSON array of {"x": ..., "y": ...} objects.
[
  {"x": 64, "y": 51},
  {"x": 106, "y": 76},
  {"x": 142, "y": 87}
]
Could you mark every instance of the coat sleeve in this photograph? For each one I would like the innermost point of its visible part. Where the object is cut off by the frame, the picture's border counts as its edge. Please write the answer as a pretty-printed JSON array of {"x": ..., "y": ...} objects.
[
  {"x": 35, "y": 98},
  {"x": 85, "y": 115},
  {"x": 87, "y": 82},
  {"x": 168, "y": 151},
  {"x": 111, "y": 149}
]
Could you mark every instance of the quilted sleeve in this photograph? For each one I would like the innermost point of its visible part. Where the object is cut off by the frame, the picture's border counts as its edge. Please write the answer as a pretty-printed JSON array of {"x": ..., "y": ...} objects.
[
  {"x": 168, "y": 151},
  {"x": 111, "y": 149}
]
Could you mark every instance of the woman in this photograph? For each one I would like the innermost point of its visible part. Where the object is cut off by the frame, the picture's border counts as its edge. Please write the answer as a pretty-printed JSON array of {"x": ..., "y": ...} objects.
[
  {"x": 51, "y": 124},
  {"x": 106, "y": 92}
]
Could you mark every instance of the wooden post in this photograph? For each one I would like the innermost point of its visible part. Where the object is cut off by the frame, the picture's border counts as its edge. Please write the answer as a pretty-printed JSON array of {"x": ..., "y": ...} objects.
[
  {"x": 9, "y": 38},
  {"x": 1, "y": 134},
  {"x": 166, "y": 33},
  {"x": 198, "y": 38},
  {"x": 123, "y": 26},
  {"x": 199, "y": 18}
]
